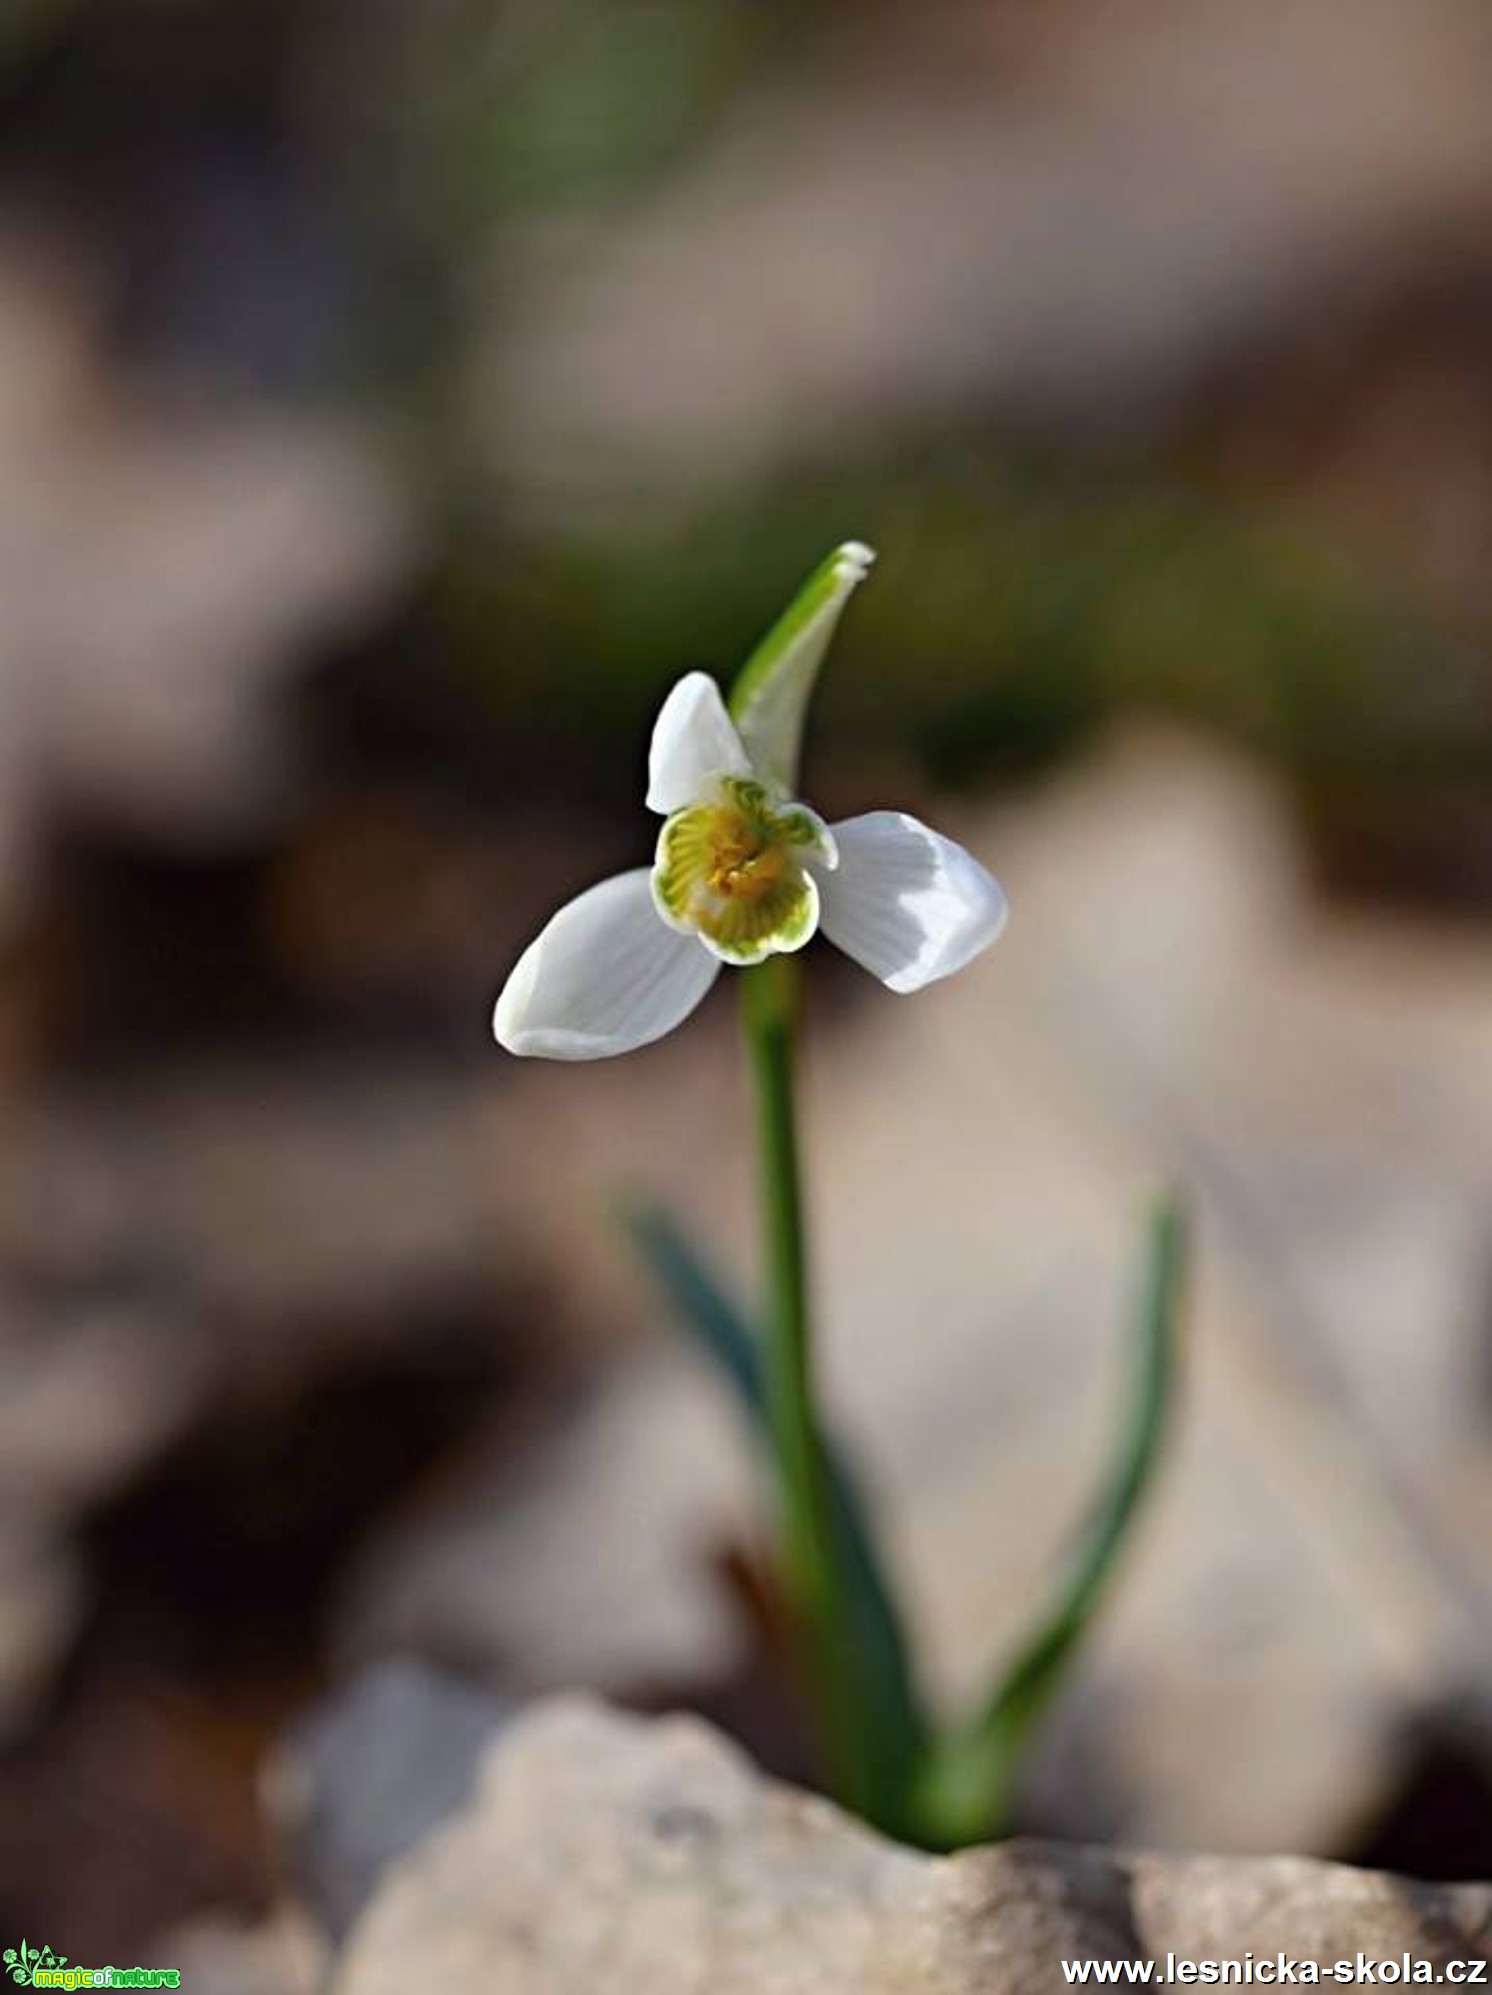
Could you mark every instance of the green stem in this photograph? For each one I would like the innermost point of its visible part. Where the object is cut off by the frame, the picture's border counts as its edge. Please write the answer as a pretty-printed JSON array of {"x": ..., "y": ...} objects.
[{"x": 809, "y": 1567}]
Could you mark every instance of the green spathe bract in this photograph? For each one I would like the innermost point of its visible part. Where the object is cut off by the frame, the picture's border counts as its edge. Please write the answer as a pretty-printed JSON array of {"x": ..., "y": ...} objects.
[{"x": 769, "y": 701}]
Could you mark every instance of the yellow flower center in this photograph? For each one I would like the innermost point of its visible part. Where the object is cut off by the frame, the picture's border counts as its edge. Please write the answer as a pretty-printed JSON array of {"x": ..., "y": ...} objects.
[
  {"x": 730, "y": 869},
  {"x": 743, "y": 863}
]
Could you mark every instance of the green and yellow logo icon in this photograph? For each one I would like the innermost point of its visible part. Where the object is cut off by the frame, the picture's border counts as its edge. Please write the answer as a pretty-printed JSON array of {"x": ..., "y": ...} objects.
[
  {"x": 23, "y": 1961},
  {"x": 39, "y": 1967}
]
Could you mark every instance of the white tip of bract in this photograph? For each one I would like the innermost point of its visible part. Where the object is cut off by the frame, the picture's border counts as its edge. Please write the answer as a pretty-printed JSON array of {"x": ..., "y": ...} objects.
[{"x": 855, "y": 559}]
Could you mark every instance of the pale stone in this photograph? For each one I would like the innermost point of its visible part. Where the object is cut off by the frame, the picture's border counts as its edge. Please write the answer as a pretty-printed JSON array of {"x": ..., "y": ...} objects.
[
  {"x": 164, "y": 571},
  {"x": 612, "y": 1854},
  {"x": 1071, "y": 217},
  {"x": 368, "y": 1774},
  {"x": 218, "y": 1956}
]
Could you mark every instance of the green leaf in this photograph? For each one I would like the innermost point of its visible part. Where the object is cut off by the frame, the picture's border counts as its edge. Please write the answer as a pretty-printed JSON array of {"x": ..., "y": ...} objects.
[
  {"x": 769, "y": 701},
  {"x": 899, "y": 1737},
  {"x": 964, "y": 1792}
]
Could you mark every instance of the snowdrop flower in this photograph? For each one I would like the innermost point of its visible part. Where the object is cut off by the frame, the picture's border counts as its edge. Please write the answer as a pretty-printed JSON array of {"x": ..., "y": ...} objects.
[{"x": 743, "y": 870}]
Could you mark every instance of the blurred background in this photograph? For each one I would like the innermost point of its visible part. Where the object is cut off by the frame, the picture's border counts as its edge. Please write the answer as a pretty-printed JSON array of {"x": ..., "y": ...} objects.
[{"x": 394, "y": 399}]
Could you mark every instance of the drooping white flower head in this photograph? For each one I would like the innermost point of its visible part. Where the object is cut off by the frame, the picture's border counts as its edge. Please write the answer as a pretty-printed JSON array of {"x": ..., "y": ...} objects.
[{"x": 742, "y": 871}]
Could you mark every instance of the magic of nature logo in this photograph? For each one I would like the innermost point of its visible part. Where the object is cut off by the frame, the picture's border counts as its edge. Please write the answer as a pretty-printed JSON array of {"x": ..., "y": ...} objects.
[{"x": 40, "y": 1967}]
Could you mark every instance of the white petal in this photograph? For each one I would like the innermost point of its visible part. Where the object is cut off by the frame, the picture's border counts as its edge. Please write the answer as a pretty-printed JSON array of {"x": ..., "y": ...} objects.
[
  {"x": 694, "y": 738},
  {"x": 603, "y": 977},
  {"x": 907, "y": 903}
]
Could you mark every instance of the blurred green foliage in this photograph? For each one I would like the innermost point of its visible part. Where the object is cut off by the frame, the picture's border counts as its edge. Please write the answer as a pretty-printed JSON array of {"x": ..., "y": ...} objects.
[
  {"x": 1020, "y": 601},
  {"x": 539, "y": 106},
  {"x": 1013, "y": 611}
]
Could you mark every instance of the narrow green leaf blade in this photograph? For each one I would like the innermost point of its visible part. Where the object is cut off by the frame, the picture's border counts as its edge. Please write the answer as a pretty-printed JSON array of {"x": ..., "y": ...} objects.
[
  {"x": 901, "y": 1733},
  {"x": 769, "y": 701},
  {"x": 698, "y": 1300},
  {"x": 965, "y": 1790}
]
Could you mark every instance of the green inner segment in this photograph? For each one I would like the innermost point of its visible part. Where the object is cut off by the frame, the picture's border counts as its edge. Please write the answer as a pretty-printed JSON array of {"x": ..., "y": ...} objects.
[{"x": 732, "y": 870}]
